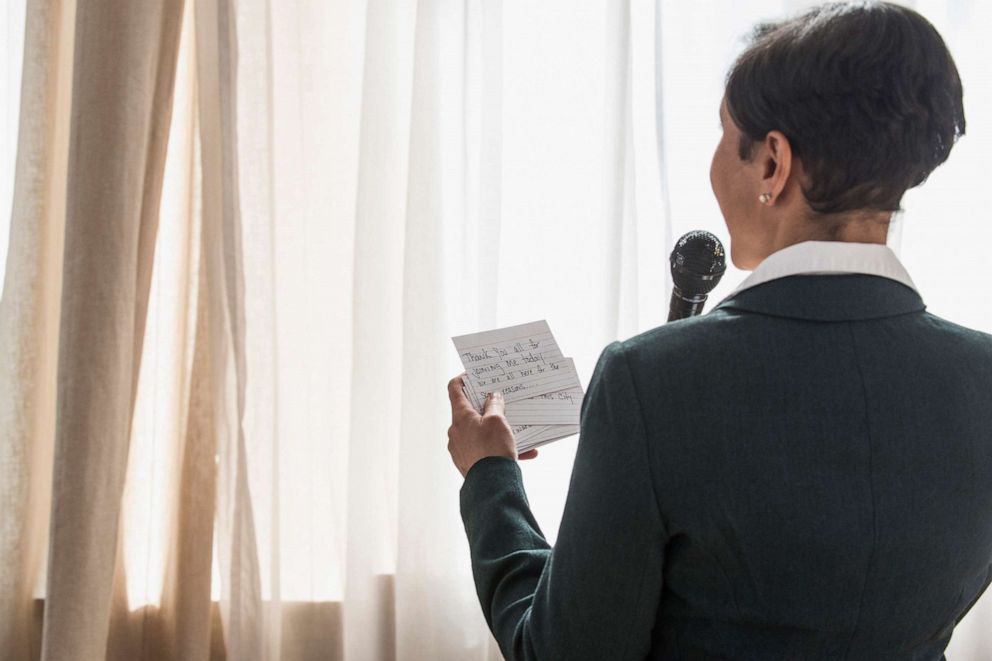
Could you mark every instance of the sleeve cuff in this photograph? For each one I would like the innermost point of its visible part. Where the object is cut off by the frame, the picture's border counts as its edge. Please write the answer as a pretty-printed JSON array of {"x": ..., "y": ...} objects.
[{"x": 486, "y": 477}]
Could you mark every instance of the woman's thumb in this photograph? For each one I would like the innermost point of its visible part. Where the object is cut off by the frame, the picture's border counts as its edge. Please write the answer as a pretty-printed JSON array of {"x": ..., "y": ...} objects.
[{"x": 494, "y": 404}]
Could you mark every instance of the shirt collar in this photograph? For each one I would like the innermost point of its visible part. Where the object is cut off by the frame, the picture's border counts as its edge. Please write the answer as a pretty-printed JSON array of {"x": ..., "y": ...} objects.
[{"x": 827, "y": 258}]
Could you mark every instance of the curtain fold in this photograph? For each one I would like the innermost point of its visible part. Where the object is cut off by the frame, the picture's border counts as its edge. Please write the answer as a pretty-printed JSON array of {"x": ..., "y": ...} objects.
[
  {"x": 186, "y": 593},
  {"x": 432, "y": 587},
  {"x": 217, "y": 58},
  {"x": 384, "y": 164},
  {"x": 162, "y": 606},
  {"x": 29, "y": 318},
  {"x": 123, "y": 71}
]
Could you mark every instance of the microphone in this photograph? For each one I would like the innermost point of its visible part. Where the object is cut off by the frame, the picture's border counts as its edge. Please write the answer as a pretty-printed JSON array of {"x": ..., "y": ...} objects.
[{"x": 698, "y": 262}]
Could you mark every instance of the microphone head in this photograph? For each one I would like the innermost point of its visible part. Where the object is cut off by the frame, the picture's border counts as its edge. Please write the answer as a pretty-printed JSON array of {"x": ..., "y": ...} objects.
[{"x": 698, "y": 262}]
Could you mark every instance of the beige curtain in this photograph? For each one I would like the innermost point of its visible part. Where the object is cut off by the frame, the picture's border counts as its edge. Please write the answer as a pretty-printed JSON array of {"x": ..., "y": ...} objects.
[
  {"x": 97, "y": 104},
  {"x": 29, "y": 321},
  {"x": 96, "y": 108},
  {"x": 204, "y": 448}
]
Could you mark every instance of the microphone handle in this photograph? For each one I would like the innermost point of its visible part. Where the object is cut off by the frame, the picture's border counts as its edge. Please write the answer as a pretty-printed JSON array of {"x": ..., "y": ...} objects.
[{"x": 683, "y": 306}]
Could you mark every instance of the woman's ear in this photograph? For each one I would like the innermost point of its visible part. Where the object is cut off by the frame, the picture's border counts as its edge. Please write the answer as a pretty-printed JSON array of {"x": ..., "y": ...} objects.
[{"x": 776, "y": 163}]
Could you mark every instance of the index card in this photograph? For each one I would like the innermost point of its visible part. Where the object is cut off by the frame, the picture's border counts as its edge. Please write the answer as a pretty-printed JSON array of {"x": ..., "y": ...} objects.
[
  {"x": 531, "y": 381},
  {"x": 517, "y": 360},
  {"x": 559, "y": 400},
  {"x": 548, "y": 434},
  {"x": 487, "y": 346},
  {"x": 540, "y": 386}
]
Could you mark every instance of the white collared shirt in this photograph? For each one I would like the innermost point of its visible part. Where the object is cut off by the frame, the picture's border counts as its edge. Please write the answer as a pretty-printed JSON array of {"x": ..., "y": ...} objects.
[{"x": 828, "y": 258}]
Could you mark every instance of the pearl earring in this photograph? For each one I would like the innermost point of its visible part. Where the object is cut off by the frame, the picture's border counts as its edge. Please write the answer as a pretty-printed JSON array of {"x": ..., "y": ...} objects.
[{"x": 765, "y": 198}]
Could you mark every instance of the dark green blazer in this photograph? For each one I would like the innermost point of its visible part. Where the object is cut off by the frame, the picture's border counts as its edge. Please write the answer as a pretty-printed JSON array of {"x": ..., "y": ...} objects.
[{"x": 804, "y": 472}]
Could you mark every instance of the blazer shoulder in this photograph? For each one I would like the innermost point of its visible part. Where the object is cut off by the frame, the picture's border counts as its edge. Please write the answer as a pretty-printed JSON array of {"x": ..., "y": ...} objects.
[
  {"x": 675, "y": 338},
  {"x": 727, "y": 325},
  {"x": 968, "y": 348},
  {"x": 958, "y": 331}
]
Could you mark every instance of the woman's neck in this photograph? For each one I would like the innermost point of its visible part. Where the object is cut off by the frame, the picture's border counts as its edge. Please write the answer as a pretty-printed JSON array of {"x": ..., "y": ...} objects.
[{"x": 857, "y": 226}]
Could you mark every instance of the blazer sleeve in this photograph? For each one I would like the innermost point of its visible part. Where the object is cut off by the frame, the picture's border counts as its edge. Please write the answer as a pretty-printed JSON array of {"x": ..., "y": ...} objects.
[{"x": 594, "y": 595}]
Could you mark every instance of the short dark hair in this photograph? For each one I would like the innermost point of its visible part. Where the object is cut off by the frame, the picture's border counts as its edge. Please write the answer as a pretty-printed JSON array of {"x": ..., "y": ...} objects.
[{"x": 867, "y": 94}]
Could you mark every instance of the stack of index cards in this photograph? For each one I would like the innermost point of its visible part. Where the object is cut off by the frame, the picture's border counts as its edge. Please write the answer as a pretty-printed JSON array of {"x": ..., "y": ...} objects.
[{"x": 540, "y": 387}]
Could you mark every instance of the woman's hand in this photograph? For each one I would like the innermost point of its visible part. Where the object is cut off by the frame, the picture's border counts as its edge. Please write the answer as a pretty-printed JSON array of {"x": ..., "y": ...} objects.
[{"x": 472, "y": 436}]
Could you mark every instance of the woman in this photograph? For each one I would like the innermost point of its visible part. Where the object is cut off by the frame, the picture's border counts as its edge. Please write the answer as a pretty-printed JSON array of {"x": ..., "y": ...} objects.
[{"x": 806, "y": 470}]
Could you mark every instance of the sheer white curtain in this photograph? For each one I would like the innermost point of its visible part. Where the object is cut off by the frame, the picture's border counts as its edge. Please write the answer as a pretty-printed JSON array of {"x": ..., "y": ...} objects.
[{"x": 349, "y": 184}]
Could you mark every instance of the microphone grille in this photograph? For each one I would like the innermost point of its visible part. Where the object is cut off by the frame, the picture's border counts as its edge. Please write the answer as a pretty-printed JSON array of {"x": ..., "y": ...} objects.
[{"x": 698, "y": 262}]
